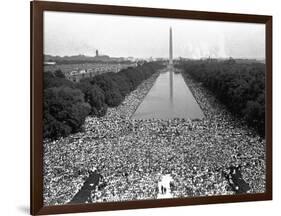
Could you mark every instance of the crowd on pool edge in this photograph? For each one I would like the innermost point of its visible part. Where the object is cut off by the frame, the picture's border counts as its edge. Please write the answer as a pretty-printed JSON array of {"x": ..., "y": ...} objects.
[{"x": 133, "y": 155}]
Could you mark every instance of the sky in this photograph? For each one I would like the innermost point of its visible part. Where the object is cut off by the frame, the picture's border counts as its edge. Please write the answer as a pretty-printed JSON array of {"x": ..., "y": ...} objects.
[{"x": 68, "y": 33}]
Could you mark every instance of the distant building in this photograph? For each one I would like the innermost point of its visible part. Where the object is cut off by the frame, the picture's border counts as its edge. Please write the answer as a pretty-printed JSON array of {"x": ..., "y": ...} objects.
[
  {"x": 130, "y": 58},
  {"x": 99, "y": 57},
  {"x": 230, "y": 61},
  {"x": 78, "y": 74},
  {"x": 49, "y": 63}
]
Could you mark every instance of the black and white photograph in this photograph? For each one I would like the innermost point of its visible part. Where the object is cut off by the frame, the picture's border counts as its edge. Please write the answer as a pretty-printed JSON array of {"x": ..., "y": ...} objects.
[{"x": 146, "y": 108}]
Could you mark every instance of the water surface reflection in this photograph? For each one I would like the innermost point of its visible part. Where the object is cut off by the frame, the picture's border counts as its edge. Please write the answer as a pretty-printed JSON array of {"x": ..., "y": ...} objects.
[{"x": 169, "y": 98}]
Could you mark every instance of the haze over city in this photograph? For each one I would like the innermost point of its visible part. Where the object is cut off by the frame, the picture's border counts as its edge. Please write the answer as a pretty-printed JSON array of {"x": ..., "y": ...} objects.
[{"x": 123, "y": 36}]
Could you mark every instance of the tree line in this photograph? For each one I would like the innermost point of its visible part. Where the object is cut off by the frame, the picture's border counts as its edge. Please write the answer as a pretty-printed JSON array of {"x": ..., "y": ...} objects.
[
  {"x": 240, "y": 86},
  {"x": 67, "y": 104}
]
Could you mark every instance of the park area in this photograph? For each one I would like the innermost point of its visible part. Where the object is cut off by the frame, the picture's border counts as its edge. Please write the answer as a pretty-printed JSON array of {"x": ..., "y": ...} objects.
[{"x": 111, "y": 156}]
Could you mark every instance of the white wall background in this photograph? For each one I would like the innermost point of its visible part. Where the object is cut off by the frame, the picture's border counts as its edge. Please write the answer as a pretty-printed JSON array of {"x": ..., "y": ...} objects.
[{"x": 14, "y": 114}]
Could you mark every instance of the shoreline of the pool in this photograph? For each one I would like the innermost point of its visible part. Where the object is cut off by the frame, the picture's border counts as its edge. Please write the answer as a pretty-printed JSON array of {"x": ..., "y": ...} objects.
[
  {"x": 169, "y": 98},
  {"x": 105, "y": 136},
  {"x": 154, "y": 78}
]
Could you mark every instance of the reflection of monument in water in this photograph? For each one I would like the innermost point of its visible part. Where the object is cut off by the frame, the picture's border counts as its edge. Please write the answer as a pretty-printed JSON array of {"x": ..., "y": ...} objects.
[
  {"x": 169, "y": 97},
  {"x": 170, "y": 65}
]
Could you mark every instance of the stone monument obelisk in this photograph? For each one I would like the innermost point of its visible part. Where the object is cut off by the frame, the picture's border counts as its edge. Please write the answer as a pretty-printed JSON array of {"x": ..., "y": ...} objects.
[
  {"x": 170, "y": 66},
  {"x": 171, "y": 49}
]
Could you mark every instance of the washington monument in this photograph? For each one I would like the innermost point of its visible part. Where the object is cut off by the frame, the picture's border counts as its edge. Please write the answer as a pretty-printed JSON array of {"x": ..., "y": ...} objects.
[
  {"x": 170, "y": 66},
  {"x": 171, "y": 49}
]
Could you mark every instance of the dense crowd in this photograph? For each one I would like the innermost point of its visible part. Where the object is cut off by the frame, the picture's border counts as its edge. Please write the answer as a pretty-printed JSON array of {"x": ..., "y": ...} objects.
[
  {"x": 67, "y": 104},
  {"x": 238, "y": 85},
  {"x": 133, "y": 155}
]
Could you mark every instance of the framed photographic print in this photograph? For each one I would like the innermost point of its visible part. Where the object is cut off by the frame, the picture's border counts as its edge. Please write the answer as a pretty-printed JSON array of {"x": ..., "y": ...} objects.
[{"x": 142, "y": 107}]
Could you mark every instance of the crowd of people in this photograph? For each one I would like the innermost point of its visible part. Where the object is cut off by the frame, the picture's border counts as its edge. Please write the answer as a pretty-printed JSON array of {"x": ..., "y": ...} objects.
[{"x": 133, "y": 155}]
